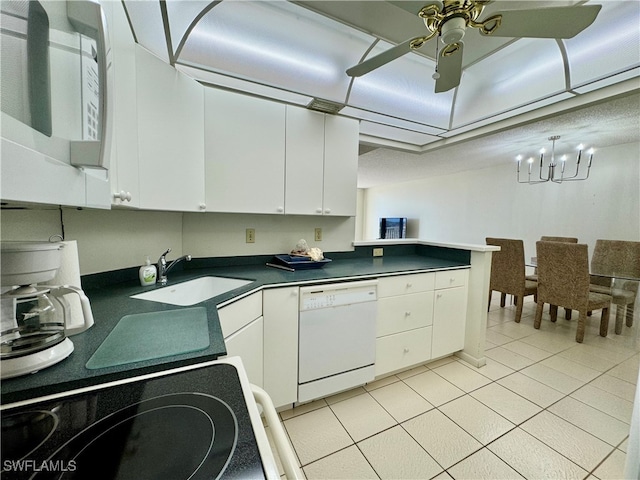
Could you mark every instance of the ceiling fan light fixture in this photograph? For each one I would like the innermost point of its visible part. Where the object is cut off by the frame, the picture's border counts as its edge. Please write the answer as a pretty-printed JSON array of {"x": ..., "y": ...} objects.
[{"x": 452, "y": 31}]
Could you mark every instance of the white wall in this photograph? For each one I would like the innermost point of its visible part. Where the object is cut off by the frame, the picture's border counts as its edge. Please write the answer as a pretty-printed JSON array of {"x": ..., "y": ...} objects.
[
  {"x": 220, "y": 235},
  {"x": 115, "y": 239},
  {"x": 470, "y": 206}
]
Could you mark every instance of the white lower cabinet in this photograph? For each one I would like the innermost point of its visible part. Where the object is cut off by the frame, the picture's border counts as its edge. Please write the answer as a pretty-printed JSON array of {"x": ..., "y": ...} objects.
[
  {"x": 280, "y": 308},
  {"x": 449, "y": 312},
  {"x": 403, "y": 326},
  {"x": 262, "y": 329},
  {"x": 247, "y": 344},
  {"x": 420, "y": 316},
  {"x": 243, "y": 330}
]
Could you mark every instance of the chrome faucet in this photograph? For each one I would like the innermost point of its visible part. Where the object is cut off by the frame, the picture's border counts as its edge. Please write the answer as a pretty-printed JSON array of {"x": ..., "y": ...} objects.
[{"x": 163, "y": 268}]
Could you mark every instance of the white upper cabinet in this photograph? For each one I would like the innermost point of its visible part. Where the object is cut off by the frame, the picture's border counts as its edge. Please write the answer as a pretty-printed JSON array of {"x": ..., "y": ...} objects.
[
  {"x": 124, "y": 174},
  {"x": 170, "y": 136},
  {"x": 244, "y": 149},
  {"x": 321, "y": 163},
  {"x": 304, "y": 161},
  {"x": 340, "y": 165}
]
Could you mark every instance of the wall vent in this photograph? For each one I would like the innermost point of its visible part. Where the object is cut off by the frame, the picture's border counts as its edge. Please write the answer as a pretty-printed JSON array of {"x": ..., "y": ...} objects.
[{"x": 325, "y": 106}]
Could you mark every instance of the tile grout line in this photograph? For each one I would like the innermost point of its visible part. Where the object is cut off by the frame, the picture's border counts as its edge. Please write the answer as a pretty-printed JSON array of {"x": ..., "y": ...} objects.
[{"x": 428, "y": 368}]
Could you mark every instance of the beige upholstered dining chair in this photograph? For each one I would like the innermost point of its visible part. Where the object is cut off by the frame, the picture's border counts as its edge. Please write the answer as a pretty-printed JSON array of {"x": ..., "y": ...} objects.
[
  {"x": 563, "y": 280},
  {"x": 621, "y": 258},
  {"x": 507, "y": 273},
  {"x": 559, "y": 239},
  {"x": 534, "y": 276}
]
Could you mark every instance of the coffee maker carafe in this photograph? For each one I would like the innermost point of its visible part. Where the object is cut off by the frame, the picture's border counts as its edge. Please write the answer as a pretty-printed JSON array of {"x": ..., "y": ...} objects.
[{"x": 36, "y": 319}]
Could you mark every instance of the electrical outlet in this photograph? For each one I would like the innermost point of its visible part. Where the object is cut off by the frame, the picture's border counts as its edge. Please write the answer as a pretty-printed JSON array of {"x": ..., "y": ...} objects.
[
  {"x": 377, "y": 252},
  {"x": 318, "y": 235},
  {"x": 251, "y": 235}
]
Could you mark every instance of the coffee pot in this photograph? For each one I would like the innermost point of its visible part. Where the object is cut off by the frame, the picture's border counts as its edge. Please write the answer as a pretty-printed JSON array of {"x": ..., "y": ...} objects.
[
  {"x": 37, "y": 319},
  {"x": 41, "y": 322}
]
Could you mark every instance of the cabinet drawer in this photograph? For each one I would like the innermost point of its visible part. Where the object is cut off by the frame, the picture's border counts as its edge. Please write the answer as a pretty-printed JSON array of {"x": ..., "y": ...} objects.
[
  {"x": 404, "y": 312},
  {"x": 402, "y": 350},
  {"x": 403, "y": 284},
  {"x": 451, "y": 278},
  {"x": 240, "y": 313}
]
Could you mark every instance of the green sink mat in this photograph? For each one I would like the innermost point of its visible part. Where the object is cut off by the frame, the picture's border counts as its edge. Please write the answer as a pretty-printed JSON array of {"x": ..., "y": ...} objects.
[{"x": 146, "y": 336}]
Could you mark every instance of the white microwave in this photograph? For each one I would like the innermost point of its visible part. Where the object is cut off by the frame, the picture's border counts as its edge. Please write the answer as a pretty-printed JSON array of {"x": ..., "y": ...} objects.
[
  {"x": 55, "y": 81},
  {"x": 55, "y": 102}
]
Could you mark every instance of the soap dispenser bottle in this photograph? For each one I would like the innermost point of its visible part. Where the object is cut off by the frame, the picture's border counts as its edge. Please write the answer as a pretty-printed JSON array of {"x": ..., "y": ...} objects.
[{"x": 148, "y": 273}]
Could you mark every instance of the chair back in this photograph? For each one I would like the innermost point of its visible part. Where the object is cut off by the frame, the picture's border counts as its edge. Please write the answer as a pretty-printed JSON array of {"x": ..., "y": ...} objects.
[
  {"x": 559, "y": 239},
  {"x": 615, "y": 257},
  {"x": 563, "y": 274},
  {"x": 507, "y": 266}
]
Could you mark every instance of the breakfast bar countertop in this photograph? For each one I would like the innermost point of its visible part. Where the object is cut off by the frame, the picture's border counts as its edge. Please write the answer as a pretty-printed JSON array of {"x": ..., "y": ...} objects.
[{"x": 110, "y": 302}]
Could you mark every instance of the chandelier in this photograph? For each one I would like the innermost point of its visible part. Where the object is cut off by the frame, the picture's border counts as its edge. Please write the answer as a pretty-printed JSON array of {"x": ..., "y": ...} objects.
[{"x": 555, "y": 170}]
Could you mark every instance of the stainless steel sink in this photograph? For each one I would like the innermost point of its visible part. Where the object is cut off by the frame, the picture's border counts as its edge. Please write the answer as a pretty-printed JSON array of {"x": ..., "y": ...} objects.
[{"x": 192, "y": 291}]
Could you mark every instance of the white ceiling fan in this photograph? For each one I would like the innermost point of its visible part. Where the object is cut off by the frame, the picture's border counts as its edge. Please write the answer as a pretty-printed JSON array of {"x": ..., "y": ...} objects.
[{"x": 449, "y": 20}]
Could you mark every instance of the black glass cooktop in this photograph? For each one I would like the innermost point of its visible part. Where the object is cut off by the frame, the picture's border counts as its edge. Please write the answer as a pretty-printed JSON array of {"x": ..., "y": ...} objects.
[{"x": 187, "y": 425}]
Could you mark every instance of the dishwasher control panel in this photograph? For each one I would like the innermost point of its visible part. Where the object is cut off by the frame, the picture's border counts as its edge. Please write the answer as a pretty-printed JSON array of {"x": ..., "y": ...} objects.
[
  {"x": 335, "y": 295},
  {"x": 318, "y": 301}
]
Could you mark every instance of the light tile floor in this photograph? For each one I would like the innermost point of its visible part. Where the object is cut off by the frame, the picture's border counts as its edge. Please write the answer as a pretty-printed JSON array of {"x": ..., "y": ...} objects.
[{"x": 544, "y": 406}]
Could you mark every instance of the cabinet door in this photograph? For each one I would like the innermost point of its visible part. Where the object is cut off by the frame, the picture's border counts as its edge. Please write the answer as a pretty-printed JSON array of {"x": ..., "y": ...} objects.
[
  {"x": 246, "y": 343},
  {"x": 170, "y": 136},
  {"x": 304, "y": 161},
  {"x": 124, "y": 148},
  {"x": 280, "y": 309},
  {"x": 245, "y": 151},
  {"x": 449, "y": 319},
  {"x": 340, "y": 165}
]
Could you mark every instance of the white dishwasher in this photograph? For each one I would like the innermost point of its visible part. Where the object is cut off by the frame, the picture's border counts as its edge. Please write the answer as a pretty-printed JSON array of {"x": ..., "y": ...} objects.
[{"x": 337, "y": 344}]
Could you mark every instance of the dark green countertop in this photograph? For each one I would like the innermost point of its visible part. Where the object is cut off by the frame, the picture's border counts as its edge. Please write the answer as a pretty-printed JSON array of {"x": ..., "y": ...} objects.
[{"x": 111, "y": 302}]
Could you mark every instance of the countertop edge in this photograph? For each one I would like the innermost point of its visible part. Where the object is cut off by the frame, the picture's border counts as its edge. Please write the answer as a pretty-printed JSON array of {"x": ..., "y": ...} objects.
[{"x": 412, "y": 241}]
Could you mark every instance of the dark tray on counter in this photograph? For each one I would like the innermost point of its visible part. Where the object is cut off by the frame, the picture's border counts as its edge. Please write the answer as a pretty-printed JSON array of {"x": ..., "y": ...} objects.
[{"x": 300, "y": 263}]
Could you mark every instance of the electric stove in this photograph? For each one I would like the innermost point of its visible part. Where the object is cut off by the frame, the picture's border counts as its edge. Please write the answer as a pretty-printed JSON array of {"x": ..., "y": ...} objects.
[{"x": 197, "y": 422}]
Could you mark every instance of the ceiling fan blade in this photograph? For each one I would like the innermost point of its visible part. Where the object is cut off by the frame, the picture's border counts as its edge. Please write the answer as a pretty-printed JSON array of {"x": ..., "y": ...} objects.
[
  {"x": 381, "y": 59},
  {"x": 414, "y": 6},
  {"x": 553, "y": 22},
  {"x": 449, "y": 68}
]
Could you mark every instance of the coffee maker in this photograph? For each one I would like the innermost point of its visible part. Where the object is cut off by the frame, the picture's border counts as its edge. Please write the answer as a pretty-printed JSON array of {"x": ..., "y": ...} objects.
[{"x": 36, "y": 318}]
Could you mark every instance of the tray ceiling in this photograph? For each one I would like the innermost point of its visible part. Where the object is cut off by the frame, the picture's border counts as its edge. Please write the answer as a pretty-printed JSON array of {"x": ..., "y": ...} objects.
[{"x": 297, "y": 51}]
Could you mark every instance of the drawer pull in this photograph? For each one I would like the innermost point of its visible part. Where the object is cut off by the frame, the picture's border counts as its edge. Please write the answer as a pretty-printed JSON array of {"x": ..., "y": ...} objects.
[
  {"x": 452, "y": 279},
  {"x": 407, "y": 313},
  {"x": 409, "y": 285},
  {"x": 406, "y": 349},
  {"x": 439, "y": 295}
]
